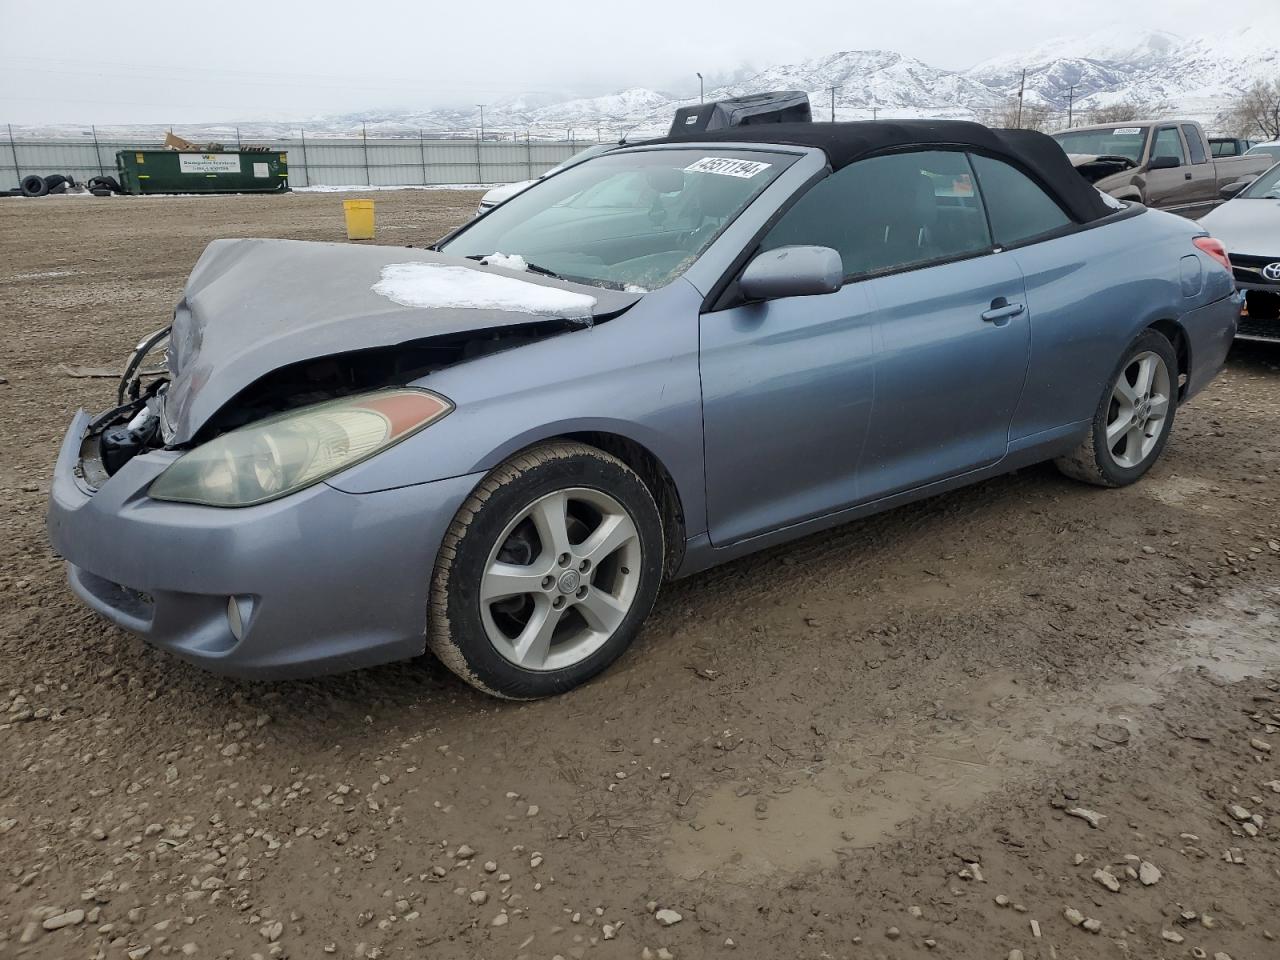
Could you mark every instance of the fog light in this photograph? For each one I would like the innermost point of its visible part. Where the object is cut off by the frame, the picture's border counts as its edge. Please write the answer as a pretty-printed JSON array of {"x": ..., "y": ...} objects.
[{"x": 234, "y": 620}]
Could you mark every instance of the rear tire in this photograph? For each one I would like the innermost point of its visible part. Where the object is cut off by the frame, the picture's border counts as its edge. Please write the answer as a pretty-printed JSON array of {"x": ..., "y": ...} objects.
[
  {"x": 1133, "y": 419},
  {"x": 547, "y": 572}
]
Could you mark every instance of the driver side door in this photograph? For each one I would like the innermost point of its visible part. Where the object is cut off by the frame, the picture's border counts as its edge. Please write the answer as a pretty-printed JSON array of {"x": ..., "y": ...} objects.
[
  {"x": 908, "y": 373},
  {"x": 1170, "y": 188}
]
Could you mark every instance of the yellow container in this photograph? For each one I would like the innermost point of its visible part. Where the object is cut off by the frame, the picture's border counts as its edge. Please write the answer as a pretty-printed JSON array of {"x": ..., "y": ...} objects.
[{"x": 360, "y": 221}]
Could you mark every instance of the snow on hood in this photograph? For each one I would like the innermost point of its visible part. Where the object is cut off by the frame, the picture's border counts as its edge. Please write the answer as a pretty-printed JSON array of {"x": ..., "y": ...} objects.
[
  {"x": 436, "y": 286},
  {"x": 253, "y": 306}
]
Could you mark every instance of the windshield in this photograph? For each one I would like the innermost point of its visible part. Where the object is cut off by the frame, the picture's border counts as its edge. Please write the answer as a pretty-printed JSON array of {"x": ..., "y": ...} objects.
[
  {"x": 579, "y": 157},
  {"x": 625, "y": 220},
  {"x": 1270, "y": 150},
  {"x": 1266, "y": 187},
  {"x": 1124, "y": 142}
]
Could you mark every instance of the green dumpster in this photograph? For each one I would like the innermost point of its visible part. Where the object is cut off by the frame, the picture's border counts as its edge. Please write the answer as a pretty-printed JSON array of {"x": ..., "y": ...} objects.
[{"x": 173, "y": 171}]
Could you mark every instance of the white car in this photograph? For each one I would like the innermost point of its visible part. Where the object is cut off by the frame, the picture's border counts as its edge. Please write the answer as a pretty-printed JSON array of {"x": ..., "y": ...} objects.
[
  {"x": 1271, "y": 148},
  {"x": 509, "y": 190}
]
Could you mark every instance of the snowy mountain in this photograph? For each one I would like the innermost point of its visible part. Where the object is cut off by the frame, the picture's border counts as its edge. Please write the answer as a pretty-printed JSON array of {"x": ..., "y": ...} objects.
[
  {"x": 1197, "y": 77},
  {"x": 1152, "y": 66},
  {"x": 870, "y": 78}
]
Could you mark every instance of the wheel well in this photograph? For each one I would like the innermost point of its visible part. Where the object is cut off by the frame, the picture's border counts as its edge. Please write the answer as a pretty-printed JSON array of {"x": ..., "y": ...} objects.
[
  {"x": 655, "y": 476},
  {"x": 1173, "y": 332}
]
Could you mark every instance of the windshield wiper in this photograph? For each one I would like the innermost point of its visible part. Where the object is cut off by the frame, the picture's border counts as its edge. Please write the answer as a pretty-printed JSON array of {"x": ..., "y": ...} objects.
[
  {"x": 531, "y": 267},
  {"x": 535, "y": 268}
]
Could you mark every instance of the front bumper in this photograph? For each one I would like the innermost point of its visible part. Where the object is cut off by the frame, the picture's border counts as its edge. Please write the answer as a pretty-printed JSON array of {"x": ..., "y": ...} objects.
[
  {"x": 324, "y": 580},
  {"x": 1262, "y": 296}
]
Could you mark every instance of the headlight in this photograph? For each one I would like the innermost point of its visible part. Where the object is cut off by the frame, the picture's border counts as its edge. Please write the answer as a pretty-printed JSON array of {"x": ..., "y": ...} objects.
[{"x": 283, "y": 454}]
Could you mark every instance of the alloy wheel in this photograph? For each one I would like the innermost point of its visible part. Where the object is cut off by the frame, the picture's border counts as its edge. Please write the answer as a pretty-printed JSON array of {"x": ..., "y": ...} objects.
[
  {"x": 560, "y": 579},
  {"x": 1139, "y": 408}
]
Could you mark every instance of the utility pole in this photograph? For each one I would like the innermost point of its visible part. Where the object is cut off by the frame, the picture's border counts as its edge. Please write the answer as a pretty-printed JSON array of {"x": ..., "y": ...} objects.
[
  {"x": 833, "y": 102},
  {"x": 702, "y": 90},
  {"x": 1022, "y": 89},
  {"x": 1071, "y": 102},
  {"x": 17, "y": 171},
  {"x": 481, "y": 106},
  {"x": 875, "y": 112}
]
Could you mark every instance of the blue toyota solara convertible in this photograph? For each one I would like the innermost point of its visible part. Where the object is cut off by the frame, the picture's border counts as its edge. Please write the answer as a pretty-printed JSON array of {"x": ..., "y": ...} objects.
[{"x": 668, "y": 356}]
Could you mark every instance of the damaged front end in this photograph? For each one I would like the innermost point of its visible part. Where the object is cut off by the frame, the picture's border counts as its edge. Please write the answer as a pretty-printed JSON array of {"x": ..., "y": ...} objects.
[
  {"x": 268, "y": 327},
  {"x": 116, "y": 436}
]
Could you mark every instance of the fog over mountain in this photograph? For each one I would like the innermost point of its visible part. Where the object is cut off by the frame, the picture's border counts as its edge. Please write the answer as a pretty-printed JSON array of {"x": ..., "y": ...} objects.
[{"x": 1196, "y": 77}]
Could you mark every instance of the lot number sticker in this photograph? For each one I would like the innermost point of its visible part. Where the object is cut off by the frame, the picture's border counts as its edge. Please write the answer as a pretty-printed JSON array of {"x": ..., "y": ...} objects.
[
  {"x": 1126, "y": 131},
  {"x": 727, "y": 167},
  {"x": 209, "y": 162}
]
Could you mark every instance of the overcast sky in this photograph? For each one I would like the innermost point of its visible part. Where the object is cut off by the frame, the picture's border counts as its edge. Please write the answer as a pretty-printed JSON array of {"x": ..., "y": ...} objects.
[{"x": 104, "y": 62}]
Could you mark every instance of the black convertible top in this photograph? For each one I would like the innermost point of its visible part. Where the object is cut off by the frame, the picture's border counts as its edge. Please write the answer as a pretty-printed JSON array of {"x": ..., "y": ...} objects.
[{"x": 1036, "y": 154}]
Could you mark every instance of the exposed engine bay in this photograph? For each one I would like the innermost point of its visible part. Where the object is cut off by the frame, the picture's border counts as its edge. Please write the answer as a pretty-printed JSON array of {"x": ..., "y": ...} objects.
[{"x": 134, "y": 426}]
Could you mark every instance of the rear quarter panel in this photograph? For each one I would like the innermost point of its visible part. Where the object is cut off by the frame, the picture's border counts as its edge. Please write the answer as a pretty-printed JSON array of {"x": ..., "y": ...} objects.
[{"x": 1090, "y": 295}]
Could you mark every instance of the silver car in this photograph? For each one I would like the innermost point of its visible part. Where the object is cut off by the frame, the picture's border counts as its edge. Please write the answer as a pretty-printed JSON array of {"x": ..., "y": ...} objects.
[
  {"x": 506, "y": 191},
  {"x": 664, "y": 358},
  {"x": 1249, "y": 225}
]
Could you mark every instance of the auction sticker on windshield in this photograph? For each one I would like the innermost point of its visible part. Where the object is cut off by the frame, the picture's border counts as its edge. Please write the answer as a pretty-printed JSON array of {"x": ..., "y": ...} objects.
[
  {"x": 1125, "y": 131},
  {"x": 728, "y": 167}
]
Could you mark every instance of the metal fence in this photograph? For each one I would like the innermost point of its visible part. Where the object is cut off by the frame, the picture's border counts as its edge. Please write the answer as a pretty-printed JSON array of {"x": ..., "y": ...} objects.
[{"x": 313, "y": 161}]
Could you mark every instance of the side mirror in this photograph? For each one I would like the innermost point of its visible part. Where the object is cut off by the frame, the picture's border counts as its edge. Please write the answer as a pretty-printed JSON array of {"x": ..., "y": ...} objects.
[
  {"x": 1229, "y": 191},
  {"x": 792, "y": 272},
  {"x": 1163, "y": 163}
]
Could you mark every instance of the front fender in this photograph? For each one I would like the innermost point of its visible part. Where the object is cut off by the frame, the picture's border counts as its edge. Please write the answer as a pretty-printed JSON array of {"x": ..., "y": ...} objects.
[{"x": 635, "y": 376}]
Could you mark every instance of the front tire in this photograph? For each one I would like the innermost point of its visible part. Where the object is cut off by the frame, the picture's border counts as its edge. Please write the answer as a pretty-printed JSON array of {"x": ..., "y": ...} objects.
[
  {"x": 547, "y": 572},
  {"x": 1133, "y": 419}
]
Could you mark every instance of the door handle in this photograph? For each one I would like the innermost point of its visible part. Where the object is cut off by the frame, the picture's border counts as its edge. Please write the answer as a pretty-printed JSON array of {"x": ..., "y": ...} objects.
[
  {"x": 1186, "y": 176},
  {"x": 1002, "y": 311}
]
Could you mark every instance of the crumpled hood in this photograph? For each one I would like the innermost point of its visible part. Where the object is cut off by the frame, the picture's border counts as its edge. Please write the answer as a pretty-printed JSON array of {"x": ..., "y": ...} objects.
[{"x": 253, "y": 306}]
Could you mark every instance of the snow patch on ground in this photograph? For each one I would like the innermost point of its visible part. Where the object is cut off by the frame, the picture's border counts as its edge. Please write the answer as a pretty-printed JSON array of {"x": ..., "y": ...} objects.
[{"x": 443, "y": 285}]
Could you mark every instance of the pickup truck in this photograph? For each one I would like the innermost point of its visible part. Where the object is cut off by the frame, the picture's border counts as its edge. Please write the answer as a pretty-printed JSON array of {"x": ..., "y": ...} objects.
[
  {"x": 1229, "y": 146},
  {"x": 1165, "y": 164}
]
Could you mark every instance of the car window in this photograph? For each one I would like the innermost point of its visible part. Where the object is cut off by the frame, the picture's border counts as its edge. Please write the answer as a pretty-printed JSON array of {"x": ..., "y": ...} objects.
[
  {"x": 1018, "y": 208},
  {"x": 1266, "y": 187},
  {"x": 1126, "y": 142},
  {"x": 628, "y": 190},
  {"x": 1265, "y": 149},
  {"x": 1193, "y": 143},
  {"x": 1168, "y": 144},
  {"x": 624, "y": 219},
  {"x": 890, "y": 212},
  {"x": 1223, "y": 148}
]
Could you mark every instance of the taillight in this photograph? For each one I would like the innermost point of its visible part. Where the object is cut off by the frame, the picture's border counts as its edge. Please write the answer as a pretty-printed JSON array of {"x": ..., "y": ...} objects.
[{"x": 1215, "y": 249}]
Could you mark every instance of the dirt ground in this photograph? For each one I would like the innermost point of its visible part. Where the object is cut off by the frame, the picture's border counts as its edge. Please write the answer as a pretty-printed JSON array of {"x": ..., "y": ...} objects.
[{"x": 867, "y": 744}]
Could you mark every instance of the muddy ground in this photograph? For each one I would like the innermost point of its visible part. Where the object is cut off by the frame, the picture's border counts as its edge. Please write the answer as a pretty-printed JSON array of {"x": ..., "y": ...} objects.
[{"x": 804, "y": 756}]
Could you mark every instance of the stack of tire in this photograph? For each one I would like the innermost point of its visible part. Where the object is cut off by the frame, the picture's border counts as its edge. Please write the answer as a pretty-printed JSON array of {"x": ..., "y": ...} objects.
[
  {"x": 103, "y": 186},
  {"x": 37, "y": 186}
]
